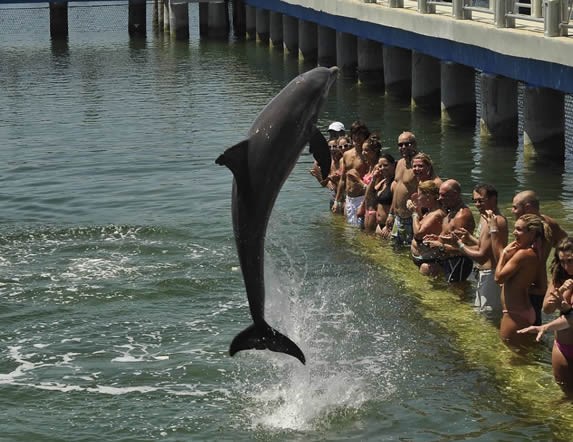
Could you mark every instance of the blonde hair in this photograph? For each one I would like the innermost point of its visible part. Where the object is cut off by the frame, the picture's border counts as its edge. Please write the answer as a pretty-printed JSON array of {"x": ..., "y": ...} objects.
[
  {"x": 425, "y": 158},
  {"x": 429, "y": 189},
  {"x": 534, "y": 223}
]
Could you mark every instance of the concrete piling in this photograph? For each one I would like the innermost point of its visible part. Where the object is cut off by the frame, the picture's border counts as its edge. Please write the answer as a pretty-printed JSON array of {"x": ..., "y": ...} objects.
[
  {"x": 398, "y": 72},
  {"x": 425, "y": 82},
  {"x": 59, "y": 20},
  {"x": 544, "y": 124},
  {"x": 458, "y": 102},
  {"x": 308, "y": 40},
  {"x": 498, "y": 106},
  {"x": 290, "y": 35},
  {"x": 326, "y": 46},
  {"x": 346, "y": 54}
]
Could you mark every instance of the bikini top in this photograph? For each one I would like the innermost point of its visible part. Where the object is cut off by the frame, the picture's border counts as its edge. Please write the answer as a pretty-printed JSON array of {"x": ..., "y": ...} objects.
[{"x": 385, "y": 195}]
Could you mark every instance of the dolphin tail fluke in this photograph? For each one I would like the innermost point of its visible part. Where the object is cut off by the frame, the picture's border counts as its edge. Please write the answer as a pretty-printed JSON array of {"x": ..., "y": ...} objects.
[
  {"x": 320, "y": 151},
  {"x": 264, "y": 337}
]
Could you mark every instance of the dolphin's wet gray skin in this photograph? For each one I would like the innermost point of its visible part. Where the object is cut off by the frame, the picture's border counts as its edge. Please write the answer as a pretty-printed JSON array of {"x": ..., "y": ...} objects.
[{"x": 260, "y": 164}]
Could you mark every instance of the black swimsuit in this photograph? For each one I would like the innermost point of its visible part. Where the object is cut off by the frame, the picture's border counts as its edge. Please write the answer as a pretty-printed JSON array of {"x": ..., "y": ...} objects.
[{"x": 385, "y": 196}]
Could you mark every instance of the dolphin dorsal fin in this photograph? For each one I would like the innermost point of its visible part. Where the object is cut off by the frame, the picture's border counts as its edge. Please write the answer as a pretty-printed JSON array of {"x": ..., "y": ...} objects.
[
  {"x": 236, "y": 159},
  {"x": 320, "y": 151}
]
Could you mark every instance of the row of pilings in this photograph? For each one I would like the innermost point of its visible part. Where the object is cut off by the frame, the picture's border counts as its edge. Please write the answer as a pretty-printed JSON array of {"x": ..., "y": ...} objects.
[{"x": 430, "y": 84}]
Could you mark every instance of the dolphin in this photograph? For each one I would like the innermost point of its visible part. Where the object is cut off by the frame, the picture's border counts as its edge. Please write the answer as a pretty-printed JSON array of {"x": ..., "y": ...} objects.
[{"x": 260, "y": 165}]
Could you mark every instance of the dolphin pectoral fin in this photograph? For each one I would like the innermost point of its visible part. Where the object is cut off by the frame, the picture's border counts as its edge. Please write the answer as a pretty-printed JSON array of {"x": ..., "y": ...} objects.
[
  {"x": 320, "y": 151},
  {"x": 264, "y": 337},
  {"x": 235, "y": 158}
]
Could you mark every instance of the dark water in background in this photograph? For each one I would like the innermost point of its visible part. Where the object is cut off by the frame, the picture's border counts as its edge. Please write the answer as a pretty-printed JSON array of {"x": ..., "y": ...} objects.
[{"x": 119, "y": 283}]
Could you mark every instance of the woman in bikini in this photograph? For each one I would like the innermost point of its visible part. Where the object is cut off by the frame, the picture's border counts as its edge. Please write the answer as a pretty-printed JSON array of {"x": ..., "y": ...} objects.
[
  {"x": 559, "y": 298},
  {"x": 378, "y": 196},
  {"x": 371, "y": 153},
  {"x": 516, "y": 270},
  {"x": 427, "y": 218}
]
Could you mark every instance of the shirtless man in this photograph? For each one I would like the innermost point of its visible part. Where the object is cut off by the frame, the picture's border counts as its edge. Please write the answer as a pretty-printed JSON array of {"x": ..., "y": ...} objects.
[
  {"x": 480, "y": 248},
  {"x": 527, "y": 202},
  {"x": 352, "y": 159},
  {"x": 399, "y": 221},
  {"x": 516, "y": 270},
  {"x": 457, "y": 267}
]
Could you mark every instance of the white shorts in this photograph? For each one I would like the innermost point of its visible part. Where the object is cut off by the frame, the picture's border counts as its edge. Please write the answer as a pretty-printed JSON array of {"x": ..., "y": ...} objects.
[{"x": 351, "y": 207}]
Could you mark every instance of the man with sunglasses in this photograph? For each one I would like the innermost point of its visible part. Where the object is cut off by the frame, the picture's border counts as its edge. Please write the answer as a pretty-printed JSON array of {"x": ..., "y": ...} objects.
[{"x": 399, "y": 221}]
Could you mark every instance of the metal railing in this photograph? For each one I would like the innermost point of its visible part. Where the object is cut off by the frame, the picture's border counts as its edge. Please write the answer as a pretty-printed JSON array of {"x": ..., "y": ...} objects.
[{"x": 554, "y": 15}]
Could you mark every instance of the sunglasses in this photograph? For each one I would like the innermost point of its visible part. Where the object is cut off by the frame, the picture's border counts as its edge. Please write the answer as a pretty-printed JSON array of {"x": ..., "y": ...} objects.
[
  {"x": 479, "y": 200},
  {"x": 406, "y": 144},
  {"x": 344, "y": 146}
]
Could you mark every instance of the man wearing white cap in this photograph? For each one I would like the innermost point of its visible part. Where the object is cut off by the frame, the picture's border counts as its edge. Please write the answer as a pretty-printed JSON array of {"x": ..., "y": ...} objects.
[{"x": 335, "y": 130}]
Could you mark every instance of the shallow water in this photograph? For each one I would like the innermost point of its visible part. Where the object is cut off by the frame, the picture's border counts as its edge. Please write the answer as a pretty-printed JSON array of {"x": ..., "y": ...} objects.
[{"x": 119, "y": 283}]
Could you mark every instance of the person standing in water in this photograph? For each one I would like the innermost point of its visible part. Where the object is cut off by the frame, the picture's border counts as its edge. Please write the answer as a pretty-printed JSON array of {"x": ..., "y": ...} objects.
[
  {"x": 559, "y": 298},
  {"x": 516, "y": 270},
  {"x": 399, "y": 222},
  {"x": 528, "y": 202}
]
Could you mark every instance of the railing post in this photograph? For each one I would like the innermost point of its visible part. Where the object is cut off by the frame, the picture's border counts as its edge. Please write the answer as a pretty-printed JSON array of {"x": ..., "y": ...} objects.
[
  {"x": 396, "y": 3},
  {"x": 425, "y": 8},
  {"x": 458, "y": 10},
  {"x": 501, "y": 20},
  {"x": 536, "y": 8},
  {"x": 564, "y": 17},
  {"x": 552, "y": 21}
]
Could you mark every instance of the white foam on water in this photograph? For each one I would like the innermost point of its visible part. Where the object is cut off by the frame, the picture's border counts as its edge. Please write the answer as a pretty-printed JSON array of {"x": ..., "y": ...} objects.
[
  {"x": 283, "y": 395},
  {"x": 99, "y": 268}
]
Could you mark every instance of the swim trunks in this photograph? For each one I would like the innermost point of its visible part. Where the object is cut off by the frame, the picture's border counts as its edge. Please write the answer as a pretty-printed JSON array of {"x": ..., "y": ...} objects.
[
  {"x": 457, "y": 268},
  {"x": 402, "y": 231},
  {"x": 419, "y": 260},
  {"x": 488, "y": 292},
  {"x": 537, "y": 304},
  {"x": 351, "y": 207}
]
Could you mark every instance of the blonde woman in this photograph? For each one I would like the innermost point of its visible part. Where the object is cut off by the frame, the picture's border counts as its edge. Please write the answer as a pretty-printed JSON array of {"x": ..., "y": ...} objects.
[{"x": 516, "y": 270}]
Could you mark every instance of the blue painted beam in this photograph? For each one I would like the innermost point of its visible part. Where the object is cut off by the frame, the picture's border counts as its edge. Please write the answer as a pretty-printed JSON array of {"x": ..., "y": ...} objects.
[{"x": 533, "y": 72}]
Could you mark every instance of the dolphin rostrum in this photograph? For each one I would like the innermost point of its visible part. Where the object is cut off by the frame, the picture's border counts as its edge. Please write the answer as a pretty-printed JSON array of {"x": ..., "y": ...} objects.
[{"x": 260, "y": 164}]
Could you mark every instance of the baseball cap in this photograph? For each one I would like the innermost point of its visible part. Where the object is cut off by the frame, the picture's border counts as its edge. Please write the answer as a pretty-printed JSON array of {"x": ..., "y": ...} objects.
[{"x": 336, "y": 126}]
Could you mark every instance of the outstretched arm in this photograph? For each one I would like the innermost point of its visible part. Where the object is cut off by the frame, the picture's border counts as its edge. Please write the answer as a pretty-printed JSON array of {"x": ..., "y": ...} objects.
[{"x": 561, "y": 323}]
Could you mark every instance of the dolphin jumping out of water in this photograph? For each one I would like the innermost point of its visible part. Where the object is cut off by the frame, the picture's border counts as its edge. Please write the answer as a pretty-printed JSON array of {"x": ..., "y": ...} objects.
[{"x": 260, "y": 164}]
